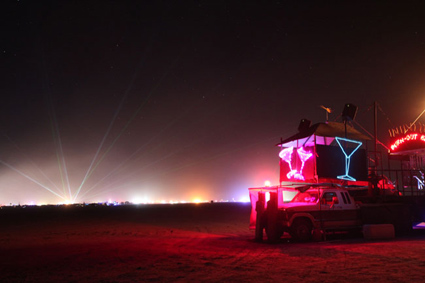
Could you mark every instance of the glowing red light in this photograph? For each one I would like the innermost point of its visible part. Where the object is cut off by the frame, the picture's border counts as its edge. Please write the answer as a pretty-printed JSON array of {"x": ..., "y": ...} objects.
[
  {"x": 304, "y": 156},
  {"x": 407, "y": 138}
]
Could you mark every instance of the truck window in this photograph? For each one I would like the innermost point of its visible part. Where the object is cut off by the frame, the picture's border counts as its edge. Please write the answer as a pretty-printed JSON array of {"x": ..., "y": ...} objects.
[
  {"x": 327, "y": 198},
  {"x": 344, "y": 198},
  {"x": 348, "y": 197},
  {"x": 287, "y": 196},
  {"x": 309, "y": 197}
]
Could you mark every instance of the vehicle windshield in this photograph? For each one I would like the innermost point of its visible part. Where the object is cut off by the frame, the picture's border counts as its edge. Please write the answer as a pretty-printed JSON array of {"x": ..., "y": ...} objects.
[{"x": 308, "y": 197}]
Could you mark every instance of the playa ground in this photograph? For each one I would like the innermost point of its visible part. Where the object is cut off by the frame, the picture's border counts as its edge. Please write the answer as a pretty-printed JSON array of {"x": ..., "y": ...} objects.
[{"x": 203, "y": 242}]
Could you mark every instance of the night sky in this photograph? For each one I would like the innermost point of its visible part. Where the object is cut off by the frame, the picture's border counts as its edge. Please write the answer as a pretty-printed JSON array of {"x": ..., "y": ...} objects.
[{"x": 178, "y": 100}]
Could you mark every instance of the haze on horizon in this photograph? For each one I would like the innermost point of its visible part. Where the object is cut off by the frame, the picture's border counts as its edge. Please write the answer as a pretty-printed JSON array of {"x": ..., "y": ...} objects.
[{"x": 126, "y": 100}]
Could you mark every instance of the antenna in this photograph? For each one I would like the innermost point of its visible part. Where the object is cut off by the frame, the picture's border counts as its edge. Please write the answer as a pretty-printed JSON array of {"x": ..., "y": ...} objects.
[
  {"x": 328, "y": 110},
  {"x": 411, "y": 124}
]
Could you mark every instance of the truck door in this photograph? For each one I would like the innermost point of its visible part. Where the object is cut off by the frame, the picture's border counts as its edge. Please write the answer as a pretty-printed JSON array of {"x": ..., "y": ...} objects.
[
  {"x": 330, "y": 201},
  {"x": 334, "y": 211}
]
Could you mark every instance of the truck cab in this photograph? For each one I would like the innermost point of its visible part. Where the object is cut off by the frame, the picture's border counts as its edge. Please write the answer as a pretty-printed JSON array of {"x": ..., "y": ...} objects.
[{"x": 316, "y": 207}]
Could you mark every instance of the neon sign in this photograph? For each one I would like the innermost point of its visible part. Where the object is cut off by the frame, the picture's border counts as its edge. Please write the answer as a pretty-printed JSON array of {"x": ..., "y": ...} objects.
[
  {"x": 417, "y": 127},
  {"x": 407, "y": 138},
  {"x": 347, "y": 156},
  {"x": 286, "y": 155},
  {"x": 304, "y": 156},
  {"x": 420, "y": 183}
]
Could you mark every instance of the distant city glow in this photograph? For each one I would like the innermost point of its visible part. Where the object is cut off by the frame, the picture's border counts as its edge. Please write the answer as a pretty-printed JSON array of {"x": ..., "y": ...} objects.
[
  {"x": 244, "y": 199},
  {"x": 420, "y": 225}
]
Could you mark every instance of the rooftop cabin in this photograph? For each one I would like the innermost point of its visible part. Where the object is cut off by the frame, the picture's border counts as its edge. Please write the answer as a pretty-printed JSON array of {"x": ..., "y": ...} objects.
[{"x": 324, "y": 152}]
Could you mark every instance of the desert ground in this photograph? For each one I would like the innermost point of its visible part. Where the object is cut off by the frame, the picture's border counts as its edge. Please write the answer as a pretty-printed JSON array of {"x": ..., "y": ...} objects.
[{"x": 207, "y": 242}]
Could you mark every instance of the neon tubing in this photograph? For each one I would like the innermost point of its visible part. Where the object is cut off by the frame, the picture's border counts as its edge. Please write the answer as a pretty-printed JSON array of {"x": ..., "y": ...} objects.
[{"x": 347, "y": 157}]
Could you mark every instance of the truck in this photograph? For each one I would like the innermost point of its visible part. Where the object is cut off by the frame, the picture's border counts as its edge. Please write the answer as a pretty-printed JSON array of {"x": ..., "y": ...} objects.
[
  {"x": 309, "y": 211},
  {"x": 329, "y": 181}
]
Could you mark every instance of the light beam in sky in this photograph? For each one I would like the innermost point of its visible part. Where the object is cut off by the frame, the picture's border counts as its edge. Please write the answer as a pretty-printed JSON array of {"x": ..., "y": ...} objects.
[
  {"x": 91, "y": 170},
  {"x": 31, "y": 179},
  {"x": 32, "y": 162}
]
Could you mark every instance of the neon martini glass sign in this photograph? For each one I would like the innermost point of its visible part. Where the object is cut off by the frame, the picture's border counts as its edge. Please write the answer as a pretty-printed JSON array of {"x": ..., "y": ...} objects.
[
  {"x": 304, "y": 156},
  {"x": 286, "y": 155},
  {"x": 347, "y": 156}
]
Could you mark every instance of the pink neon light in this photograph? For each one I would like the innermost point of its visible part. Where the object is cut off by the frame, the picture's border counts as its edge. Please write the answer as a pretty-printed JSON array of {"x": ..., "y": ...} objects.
[
  {"x": 407, "y": 138},
  {"x": 304, "y": 156},
  {"x": 286, "y": 155}
]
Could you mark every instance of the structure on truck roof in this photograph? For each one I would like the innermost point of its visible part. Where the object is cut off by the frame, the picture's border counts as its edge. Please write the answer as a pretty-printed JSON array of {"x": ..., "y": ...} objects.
[
  {"x": 322, "y": 134},
  {"x": 323, "y": 152}
]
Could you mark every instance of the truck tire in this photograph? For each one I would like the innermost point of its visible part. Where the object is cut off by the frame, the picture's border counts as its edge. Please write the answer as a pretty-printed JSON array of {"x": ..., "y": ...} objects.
[{"x": 301, "y": 230}]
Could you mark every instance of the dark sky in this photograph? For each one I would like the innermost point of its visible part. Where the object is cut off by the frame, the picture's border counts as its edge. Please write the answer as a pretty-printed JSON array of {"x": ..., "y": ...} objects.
[{"x": 177, "y": 100}]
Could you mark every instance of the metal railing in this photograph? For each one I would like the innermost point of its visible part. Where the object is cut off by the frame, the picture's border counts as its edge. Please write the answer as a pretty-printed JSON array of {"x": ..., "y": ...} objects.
[{"x": 408, "y": 182}]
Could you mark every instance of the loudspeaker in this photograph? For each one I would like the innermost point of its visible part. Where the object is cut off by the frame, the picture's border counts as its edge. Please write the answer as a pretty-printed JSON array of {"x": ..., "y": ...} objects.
[
  {"x": 349, "y": 112},
  {"x": 304, "y": 125}
]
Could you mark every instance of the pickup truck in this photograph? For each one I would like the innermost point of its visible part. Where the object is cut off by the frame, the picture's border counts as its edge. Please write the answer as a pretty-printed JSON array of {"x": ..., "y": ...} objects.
[{"x": 314, "y": 209}]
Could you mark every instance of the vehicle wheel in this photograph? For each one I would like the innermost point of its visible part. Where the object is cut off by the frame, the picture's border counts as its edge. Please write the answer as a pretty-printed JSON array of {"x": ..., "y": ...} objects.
[{"x": 301, "y": 230}]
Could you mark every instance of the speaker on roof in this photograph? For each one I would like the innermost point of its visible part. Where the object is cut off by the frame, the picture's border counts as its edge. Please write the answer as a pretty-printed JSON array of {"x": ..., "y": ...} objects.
[
  {"x": 304, "y": 125},
  {"x": 349, "y": 112}
]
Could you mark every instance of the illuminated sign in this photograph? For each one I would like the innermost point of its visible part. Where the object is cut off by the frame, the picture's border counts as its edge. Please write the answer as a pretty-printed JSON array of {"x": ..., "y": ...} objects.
[
  {"x": 411, "y": 138},
  {"x": 286, "y": 155},
  {"x": 420, "y": 183},
  {"x": 303, "y": 156},
  {"x": 418, "y": 127},
  {"x": 330, "y": 163},
  {"x": 347, "y": 155}
]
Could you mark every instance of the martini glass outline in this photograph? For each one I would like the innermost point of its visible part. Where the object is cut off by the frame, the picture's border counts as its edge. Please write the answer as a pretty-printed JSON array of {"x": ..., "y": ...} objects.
[
  {"x": 347, "y": 157},
  {"x": 304, "y": 156},
  {"x": 286, "y": 155}
]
